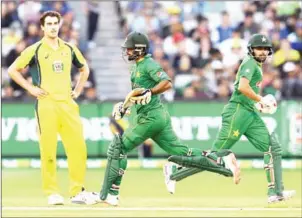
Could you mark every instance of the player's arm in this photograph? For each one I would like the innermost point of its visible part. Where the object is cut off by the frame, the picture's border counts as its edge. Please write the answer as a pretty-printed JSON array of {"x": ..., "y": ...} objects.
[
  {"x": 266, "y": 104},
  {"x": 245, "y": 88},
  {"x": 14, "y": 71},
  {"x": 163, "y": 84},
  {"x": 161, "y": 87},
  {"x": 79, "y": 61}
]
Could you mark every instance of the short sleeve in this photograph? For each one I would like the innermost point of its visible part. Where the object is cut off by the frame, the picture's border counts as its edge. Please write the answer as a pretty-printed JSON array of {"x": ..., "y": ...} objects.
[
  {"x": 247, "y": 70},
  {"x": 78, "y": 59},
  {"x": 157, "y": 73},
  {"x": 25, "y": 57}
]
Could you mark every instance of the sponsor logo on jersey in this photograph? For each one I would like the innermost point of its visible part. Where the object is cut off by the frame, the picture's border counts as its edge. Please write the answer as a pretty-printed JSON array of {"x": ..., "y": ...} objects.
[{"x": 58, "y": 66}]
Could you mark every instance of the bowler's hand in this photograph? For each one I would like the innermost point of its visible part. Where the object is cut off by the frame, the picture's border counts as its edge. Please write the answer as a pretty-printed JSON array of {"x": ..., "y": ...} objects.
[{"x": 37, "y": 92}]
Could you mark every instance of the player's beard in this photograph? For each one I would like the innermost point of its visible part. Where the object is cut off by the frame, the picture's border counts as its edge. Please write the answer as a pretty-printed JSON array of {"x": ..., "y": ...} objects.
[{"x": 261, "y": 58}]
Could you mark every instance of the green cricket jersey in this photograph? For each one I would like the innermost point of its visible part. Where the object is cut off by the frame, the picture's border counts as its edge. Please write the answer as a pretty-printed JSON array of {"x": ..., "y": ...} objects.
[
  {"x": 147, "y": 74},
  {"x": 251, "y": 70}
]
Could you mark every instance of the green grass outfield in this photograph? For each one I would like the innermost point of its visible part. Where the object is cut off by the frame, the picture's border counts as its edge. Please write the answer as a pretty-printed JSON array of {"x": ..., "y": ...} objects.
[{"x": 143, "y": 194}]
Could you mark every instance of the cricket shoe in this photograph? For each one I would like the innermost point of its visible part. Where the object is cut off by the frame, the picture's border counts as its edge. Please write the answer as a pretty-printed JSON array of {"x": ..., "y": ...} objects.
[
  {"x": 85, "y": 197},
  {"x": 232, "y": 164},
  {"x": 274, "y": 199},
  {"x": 112, "y": 200},
  {"x": 55, "y": 199},
  {"x": 168, "y": 169}
]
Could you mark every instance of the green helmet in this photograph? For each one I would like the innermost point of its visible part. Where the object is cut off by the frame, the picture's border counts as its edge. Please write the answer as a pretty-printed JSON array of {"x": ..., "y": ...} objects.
[
  {"x": 137, "y": 41},
  {"x": 259, "y": 40}
]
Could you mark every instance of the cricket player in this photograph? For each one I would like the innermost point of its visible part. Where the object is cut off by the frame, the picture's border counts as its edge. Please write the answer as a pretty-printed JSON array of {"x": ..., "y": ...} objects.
[
  {"x": 241, "y": 117},
  {"x": 152, "y": 121},
  {"x": 50, "y": 61}
]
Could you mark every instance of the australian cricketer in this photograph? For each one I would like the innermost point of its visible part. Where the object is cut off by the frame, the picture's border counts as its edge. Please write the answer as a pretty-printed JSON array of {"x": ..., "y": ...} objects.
[{"x": 50, "y": 61}]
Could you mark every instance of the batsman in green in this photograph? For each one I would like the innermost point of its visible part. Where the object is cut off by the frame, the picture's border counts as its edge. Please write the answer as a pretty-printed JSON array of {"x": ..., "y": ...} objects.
[
  {"x": 152, "y": 121},
  {"x": 241, "y": 116}
]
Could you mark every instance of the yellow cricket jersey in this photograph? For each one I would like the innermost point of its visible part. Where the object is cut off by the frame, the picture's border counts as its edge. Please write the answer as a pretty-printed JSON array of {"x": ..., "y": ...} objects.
[{"x": 51, "y": 69}]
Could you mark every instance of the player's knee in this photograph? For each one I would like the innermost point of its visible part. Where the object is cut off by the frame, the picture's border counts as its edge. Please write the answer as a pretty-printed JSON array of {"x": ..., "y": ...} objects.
[
  {"x": 115, "y": 147},
  {"x": 275, "y": 144}
]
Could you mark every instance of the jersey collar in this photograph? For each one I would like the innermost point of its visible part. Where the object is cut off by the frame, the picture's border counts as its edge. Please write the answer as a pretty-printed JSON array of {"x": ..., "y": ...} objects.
[
  {"x": 143, "y": 58},
  {"x": 44, "y": 42}
]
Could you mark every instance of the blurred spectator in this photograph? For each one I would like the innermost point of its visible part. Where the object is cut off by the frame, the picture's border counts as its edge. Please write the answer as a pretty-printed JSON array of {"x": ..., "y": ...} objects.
[
  {"x": 172, "y": 43},
  {"x": 28, "y": 12},
  {"x": 248, "y": 27},
  {"x": 74, "y": 38},
  {"x": 9, "y": 14},
  {"x": 182, "y": 62},
  {"x": 145, "y": 22},
  {"x": 31, "y": 34},
  {"x": 284, "y": 54},
  {"x": 93, "y": 13},
  {"x": 223, "y": 91},
  {"x": 10, "y": 39},
  {"x": 196, "y": 90},
  {"x": 224, "y": 29},
  {"x": 292, "y": 86},
  {"x": 295, "y": 38},
  {"x": 14, "y": 53},
  {"x": 280, "y": 28},
  {"x": 89, "y": 93},
  {"x": 154, "y": 41}
]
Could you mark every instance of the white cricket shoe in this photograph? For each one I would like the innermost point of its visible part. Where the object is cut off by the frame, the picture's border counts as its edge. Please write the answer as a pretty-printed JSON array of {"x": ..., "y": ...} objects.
[
  {"x": 288, "y": 194},
  {"x": 55, "y": 199},
  {"x": 168, "y": 170},
  {"x": 112, "y": 200},
  {"x": 232, "y": 164},
  {"x": 274, "y": 199},
  {"x": 85, "y": 197}
]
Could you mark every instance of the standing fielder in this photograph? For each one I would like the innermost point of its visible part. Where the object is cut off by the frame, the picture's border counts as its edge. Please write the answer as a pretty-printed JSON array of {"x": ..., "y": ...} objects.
[
  {"x": 241, "y": 117},
  {"x": 50, "y": 61},
  {"x": 152, "y": 121}
]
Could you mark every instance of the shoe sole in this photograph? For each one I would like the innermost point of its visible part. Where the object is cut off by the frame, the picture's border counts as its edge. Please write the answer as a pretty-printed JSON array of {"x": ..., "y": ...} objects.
[
  {"x": 236, "y": 173},
  {"x": 105, "y": 202},
  {"x": 166, "y": 177}
]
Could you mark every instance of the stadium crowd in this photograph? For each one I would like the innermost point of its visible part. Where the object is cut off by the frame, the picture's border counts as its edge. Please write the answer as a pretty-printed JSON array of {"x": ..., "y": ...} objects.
[{"x": 200, "y": 50}]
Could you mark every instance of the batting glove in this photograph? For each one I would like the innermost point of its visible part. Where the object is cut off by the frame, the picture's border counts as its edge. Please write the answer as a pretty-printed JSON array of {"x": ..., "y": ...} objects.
[
  {"x": 267, "y": 104},
  {"x": 143, "y": 99},
  {"x": 119, "y": 111}
]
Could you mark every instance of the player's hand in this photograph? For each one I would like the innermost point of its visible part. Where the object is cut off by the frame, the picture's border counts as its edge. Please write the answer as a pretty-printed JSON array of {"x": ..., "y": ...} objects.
[
  {"x": 267, "y": 104},
  {"x": 75, "y": 94},
  {"x": 37, "y": 92},
  {"x": 143, "y": 98},
  {"x": 119, "y": 111}
]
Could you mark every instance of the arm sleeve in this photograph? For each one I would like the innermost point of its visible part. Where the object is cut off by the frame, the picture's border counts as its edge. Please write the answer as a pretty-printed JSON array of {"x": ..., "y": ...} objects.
[
  {"x": 247, "y": 70},
  {"x": 78, "y": 59},
  {"x": 25, "y": 57},
  {"x": 157, "y": 73}
]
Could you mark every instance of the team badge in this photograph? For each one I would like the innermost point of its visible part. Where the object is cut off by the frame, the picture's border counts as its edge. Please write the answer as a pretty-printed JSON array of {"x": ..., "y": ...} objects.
[
  {"x": 58, "y": 66},
  {"x": 159, "y": 74}
]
